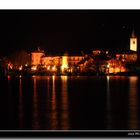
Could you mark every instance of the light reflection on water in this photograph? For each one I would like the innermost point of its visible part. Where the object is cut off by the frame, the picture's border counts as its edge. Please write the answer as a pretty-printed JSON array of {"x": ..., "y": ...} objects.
[
  {"x": 54, "y": 113},
  {"x": 35, "y": 112},
  {"x": 108, "y": 115},
  {"x": 20, "y": 105},
  {"x": 48, "y": 103},
  {"x": 56, "y": 110},
  {"x": 59, "y": 118},
  {"x": 58, "y": 97},
  {"x": 133, "y": 103},
  {"x": 64, "y": 104}
]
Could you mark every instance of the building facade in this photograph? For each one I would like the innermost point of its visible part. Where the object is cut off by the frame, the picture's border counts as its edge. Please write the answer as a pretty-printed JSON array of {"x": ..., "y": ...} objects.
[
  {"x": 133, "y": 42},
  {"x": 36, "y": 57},
  {"x": 64, "y": 63}
]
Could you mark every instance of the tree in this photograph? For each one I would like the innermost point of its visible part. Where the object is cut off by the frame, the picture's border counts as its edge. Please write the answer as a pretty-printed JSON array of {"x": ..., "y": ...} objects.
[{"x": 20, "y": 58}]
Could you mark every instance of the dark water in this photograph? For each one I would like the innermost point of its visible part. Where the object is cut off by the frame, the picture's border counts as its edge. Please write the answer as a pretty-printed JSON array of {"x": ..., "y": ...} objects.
[{"x": 61, "y": 102}]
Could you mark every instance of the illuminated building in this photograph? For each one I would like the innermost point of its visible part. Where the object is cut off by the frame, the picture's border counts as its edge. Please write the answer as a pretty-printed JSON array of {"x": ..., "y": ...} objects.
[
  {"x": 71, "y": 63},
  {"x": 96, "y": 52},
  {"x": 96, "y": 62},
  {"x": 73, "y": 60},
  {"x": 64, "y": 66},
  {"x": 115, "y": 66},
  {"x": 36, "y": 57},
  {"x": 51, "y": 63},
  {"x": 50, "y": 60},
  {"x": 34, "y": 68},
  {"x": 133, "y": 42},
  {"x": 63, "y": 63},
  {"x": 131, "y": 55},
  {"x": 127, "y": 57},
  {"x": 101, "y": 62},
  {"x": 47, "y": 60}
]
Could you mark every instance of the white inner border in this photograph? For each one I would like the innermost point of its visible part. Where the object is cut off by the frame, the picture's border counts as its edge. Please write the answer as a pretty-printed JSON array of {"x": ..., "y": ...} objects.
[{"x": 69, "y": 4}]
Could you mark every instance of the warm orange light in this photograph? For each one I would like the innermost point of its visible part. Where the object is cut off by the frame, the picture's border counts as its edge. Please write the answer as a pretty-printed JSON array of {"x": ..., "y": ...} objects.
[
  {"x": 34, "y": 68},
  {"x": 64, "y": 117},
  {"x": 123, "y": 69},
  {"x": 64, "y": 63},
  {"x": 95, "y": 52},
  {"x": 11, "y": 67},
  {"x": 70, "y": 70},
  {"x": 20, "y": 68},
  {"x": 108, "y": 65},
  {"x": 48, "y": 68},
  {"x": 111, "y": 70},
  {"x": 117, "y": 70},
  {"x": 36, "y": 57},
  {"x": 53, "y": 68}
]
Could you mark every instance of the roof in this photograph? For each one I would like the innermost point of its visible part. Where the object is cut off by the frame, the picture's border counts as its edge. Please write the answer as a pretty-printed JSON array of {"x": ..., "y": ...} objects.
[
  {"x": 101, "y": 57},
  {"x": 67, "y": 53},
  {"x": 37, "y": 51}
]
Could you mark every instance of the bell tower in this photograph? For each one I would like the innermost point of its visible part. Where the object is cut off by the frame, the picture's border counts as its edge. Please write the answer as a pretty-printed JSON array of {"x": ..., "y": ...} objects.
[{"x": 133, "y": 42}]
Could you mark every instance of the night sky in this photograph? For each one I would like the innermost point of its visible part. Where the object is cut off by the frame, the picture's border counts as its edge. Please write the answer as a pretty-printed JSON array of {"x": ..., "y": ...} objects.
[{"x": 66, "y": 30}]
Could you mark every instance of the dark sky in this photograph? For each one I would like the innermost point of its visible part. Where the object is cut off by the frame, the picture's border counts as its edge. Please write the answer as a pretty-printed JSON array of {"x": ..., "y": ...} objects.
[{"x": 66, "y": 30}]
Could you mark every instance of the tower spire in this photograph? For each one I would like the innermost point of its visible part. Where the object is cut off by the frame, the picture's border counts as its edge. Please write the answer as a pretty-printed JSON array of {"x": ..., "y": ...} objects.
[
  {"x": 133, "y": 42},
  {"x": 133, "y": 33}
]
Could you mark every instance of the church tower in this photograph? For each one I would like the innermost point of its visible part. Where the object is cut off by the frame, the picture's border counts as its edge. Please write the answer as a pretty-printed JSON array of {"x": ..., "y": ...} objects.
[{"x": 133, "y": 42}]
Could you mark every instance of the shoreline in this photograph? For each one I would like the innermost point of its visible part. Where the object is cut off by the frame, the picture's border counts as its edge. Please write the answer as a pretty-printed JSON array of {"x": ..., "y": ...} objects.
[{"x": 79, "y": 74}]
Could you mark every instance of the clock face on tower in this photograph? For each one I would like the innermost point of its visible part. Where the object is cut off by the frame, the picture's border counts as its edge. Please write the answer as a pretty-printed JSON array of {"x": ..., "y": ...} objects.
[{"x": 133, "y": 44}]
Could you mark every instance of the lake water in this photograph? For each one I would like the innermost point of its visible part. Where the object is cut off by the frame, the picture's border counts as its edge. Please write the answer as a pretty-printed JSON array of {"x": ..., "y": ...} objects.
[{"x": 70, "y": 103}]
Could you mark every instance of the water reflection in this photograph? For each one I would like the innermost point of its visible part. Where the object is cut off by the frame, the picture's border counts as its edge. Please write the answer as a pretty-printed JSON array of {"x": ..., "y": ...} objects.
[
  {"x": 10, "y": 105},
  {"x": 133, "y": 103},
  {"x": 108, "y": 115},
  {"x": 64, "y": 105},
  {"x": 35, "y": 119},
  {"x": 54, "y": 118},
  {"x": 20, "y": 105},
  {"x": 48, "y": 100}
]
